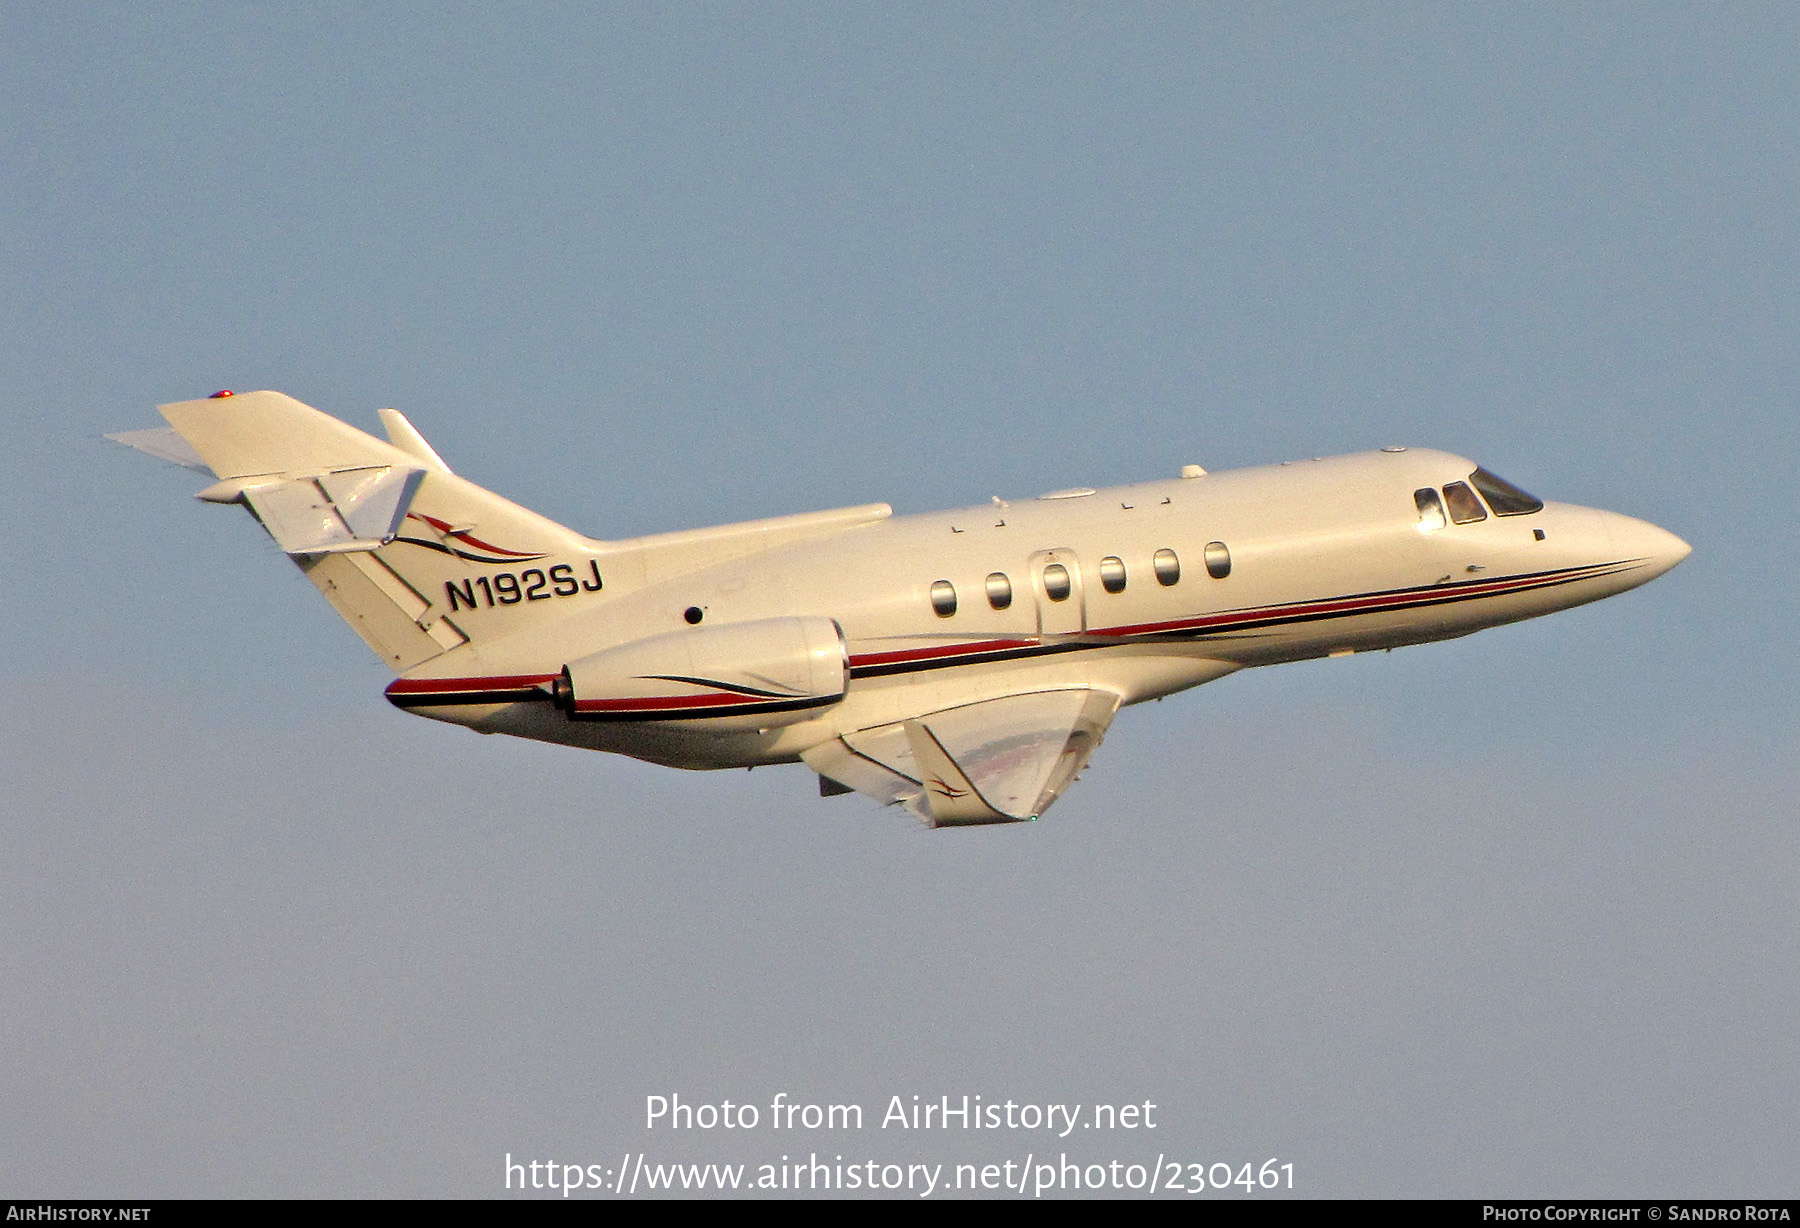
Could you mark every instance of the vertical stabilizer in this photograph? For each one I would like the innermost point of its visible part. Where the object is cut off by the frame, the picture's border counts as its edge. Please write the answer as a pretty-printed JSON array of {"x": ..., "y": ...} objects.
[
  {"x": 403, "y": 435},
  {"x": 416, "y": 559}
]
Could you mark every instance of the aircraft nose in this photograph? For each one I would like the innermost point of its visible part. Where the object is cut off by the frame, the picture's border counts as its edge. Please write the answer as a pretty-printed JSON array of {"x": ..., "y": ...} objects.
[{"x": 1639, "y": 539}]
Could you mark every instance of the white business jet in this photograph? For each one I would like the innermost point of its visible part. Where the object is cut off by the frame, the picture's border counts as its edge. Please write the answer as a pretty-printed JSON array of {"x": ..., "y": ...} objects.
[{"x": 965, "y": 664}]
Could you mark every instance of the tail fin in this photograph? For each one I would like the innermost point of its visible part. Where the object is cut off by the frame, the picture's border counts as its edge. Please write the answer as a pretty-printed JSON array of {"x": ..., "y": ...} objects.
[{"x": 417, "y": 560}]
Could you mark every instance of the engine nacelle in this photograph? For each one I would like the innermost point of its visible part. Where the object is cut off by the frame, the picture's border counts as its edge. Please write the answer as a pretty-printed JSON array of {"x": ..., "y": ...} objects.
[{"x": 772, "y": 672}]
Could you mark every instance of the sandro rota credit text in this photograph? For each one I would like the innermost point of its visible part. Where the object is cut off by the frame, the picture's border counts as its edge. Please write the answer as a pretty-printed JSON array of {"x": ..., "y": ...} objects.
[{"x": 965, "y": 1112}]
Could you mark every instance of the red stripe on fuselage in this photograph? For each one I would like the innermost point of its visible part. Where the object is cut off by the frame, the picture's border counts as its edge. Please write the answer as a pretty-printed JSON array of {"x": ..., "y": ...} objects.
[
  {"x": 1367, "y": 603},
  {"x": 1231, "y": 619},
  {"x": 471, "y": 690},
  {"x": 943, "y": 650}
]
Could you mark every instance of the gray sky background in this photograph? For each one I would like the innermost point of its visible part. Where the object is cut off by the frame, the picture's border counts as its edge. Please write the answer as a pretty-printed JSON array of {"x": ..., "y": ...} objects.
[{"x": 1512, "y": 915}]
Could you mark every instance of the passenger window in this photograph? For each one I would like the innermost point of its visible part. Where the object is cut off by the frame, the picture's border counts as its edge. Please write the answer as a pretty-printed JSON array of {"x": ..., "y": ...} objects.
[
  {"x": 1431, "y": 510},
  {"x": 1056, "y": 582},
  {"x": 999, "y": 590},
  {"x": 943, "y": 598},
  {"x": 1505, "y": 498},
  {"x": 1465, "y": 508},
  {"x": 1167, "y": 567},
  {"x": 1218, "y": 560},
  {"x": 1112, "y": 575}
]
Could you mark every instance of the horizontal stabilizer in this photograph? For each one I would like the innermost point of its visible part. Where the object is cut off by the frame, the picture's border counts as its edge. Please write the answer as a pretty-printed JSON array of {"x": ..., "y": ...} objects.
[
  {"x": 163, "y": 443},
  {"x": 349, "y": 509},
  {"x": 391, "y": 538},
  {"x": 262, "y": 434}
]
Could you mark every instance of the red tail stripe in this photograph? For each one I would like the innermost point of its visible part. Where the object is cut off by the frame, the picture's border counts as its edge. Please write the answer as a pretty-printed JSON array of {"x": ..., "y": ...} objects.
[{"x": 463, "y": 535}]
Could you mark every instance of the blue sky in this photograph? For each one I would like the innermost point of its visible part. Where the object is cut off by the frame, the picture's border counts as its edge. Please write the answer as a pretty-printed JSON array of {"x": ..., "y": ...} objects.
[{"x": 1510, "y": 915}]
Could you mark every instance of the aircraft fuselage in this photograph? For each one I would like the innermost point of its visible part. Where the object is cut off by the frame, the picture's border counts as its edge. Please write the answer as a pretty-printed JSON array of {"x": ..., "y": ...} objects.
[
  {"x": 1142, "y": 590},
  {"x": 963, "y": 663}
]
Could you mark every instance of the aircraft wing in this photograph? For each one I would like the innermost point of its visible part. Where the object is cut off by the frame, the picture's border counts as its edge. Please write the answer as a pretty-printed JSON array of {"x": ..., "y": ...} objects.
[{"x": 994, "y": 761}]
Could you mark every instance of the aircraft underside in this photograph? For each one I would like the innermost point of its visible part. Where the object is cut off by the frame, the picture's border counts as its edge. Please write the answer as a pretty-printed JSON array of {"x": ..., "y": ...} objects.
[{"x": 868, "y": 724}]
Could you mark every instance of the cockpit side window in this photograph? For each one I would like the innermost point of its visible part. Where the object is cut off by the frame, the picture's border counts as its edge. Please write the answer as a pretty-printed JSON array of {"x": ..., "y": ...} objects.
[
  {"x": 1505, "y": 498},
  {"x": 1431, "y": 510},
  {"x": 1465, "y": 508}
]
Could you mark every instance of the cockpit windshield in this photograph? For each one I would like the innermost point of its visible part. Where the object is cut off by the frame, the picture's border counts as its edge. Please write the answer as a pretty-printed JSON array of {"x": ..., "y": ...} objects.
[{"x": 1501, "y": 495}]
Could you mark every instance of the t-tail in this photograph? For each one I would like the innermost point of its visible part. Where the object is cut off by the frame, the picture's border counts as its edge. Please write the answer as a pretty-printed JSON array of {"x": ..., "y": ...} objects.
[{"x": 416, "y": 559}]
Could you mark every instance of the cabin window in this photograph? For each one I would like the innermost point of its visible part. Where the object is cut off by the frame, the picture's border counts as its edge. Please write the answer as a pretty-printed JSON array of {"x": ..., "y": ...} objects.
[
  {"x": 1112, "y": 575},
  {"x": 1056, "y": 582},
  {"x": 1465, "y": 508},
  {"x": 1505, "y": 498},
  {"x": 1431, "y": 510},
  {"x": 943, "y": 598},
  {"x": 999, "y": 590},
  {"x": 1167, "y": 566},
  {"x": 1218, "y": 560}
]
